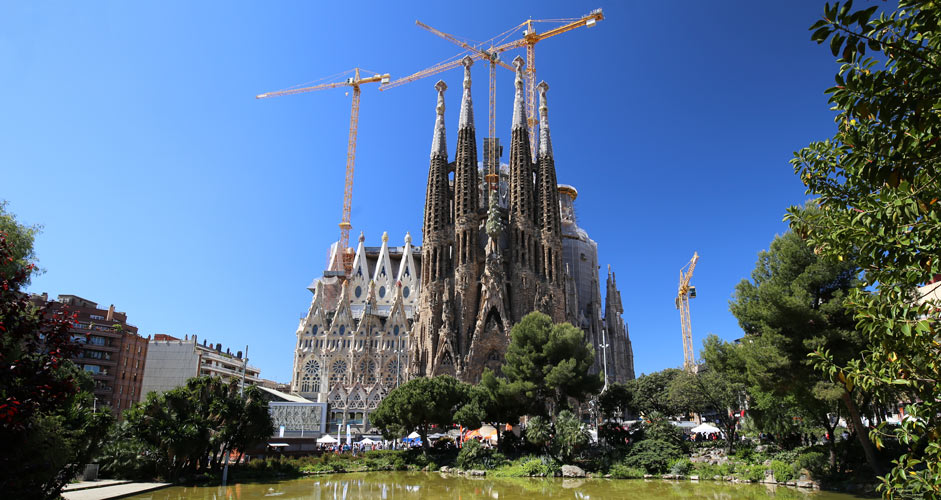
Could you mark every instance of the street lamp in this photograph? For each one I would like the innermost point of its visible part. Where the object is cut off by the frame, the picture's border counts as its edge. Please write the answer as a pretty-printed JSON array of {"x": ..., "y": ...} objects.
[{"x": 604, "y": 356}]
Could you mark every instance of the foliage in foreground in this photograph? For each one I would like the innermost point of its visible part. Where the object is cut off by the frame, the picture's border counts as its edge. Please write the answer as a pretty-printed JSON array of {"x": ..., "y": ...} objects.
[
  {"x": 878, "y": 182},
  {"x": 47, "y": 425}
]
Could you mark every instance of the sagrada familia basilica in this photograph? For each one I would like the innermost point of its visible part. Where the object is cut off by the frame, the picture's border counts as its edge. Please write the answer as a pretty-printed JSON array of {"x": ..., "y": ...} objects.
[{"x": 493, "y": 250}]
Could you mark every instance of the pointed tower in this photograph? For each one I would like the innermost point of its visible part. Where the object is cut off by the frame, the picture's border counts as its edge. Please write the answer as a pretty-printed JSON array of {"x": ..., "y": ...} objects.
[
  {"x": 547, "y": 218},
  {"x": 407, "y": 278},
  {"x": 467, "y": 247},
  {"x": 620, "y": 354},
  {"x": 523, "y": 237},
  {"x": 382, "y": 276},
  {"x": 436, "y": 248}
]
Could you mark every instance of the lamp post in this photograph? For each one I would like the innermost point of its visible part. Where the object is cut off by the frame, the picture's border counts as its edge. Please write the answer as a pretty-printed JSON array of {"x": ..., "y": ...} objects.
[{"x": 604, "y": 356}]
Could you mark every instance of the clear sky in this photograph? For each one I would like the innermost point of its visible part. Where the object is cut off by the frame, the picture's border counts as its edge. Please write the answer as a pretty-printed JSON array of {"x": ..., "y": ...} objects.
[{"x": 130, "y": 131}]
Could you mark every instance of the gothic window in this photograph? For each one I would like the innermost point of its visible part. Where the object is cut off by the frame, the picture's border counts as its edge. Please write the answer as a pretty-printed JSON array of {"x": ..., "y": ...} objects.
[
  {"x": 310, "y": 381},
  {"x": 338, "y": 372},
  {"x": 395, "y": 330},
  {"x": 336, "y": 401},
  {"x": 388, "y": 375},
  {"x": 370, "y": 375},
  {"x": 356, "y": 401},
  {"x": 314, "y": 331},
  {"x": 382, "y": 272},
  {"x": 342, "y": 329},
  {"x": 373, "y": 400},
  {"x": 358, "y": 291},
  {"x": 405, "y": 290},
  {"x": 382, "y": 291}
]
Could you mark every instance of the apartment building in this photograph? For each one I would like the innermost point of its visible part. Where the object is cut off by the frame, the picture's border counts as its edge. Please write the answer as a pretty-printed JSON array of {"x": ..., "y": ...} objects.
[{"x": 171, "y": 361}]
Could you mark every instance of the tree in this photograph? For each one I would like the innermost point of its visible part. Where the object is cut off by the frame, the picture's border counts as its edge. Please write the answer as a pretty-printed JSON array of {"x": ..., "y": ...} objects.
[
  {"x": 877, "y": 181},
  {"x": 192, "y": 427},
  {"x": 618, "y": 400},
  {"x": 652, "y": 393},
  {"x": 548, "y": 364},
  {"x": 710, "y": 391},
  {"x": 20, "y": 245},
  {"x": 793, "y": 305},
  {"x": 419, "y": 404},
  {"x": 47, "y": 425}
]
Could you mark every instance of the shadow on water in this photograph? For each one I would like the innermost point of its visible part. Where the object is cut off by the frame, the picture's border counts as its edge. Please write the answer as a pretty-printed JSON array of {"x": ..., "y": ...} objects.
[{"x": 415, "y": 485}]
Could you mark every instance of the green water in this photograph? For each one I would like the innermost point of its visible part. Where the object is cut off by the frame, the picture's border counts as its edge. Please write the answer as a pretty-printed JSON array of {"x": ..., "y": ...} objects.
[{"x": 415, "y": 485}]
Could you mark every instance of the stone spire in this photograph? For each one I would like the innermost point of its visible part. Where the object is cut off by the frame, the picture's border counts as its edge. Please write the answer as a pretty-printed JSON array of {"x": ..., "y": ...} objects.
[
  {"x": 466, "y": 245},
  {"x": 547, "y": 191},
  {"x": 467, "y": 108},
  {"x": 439, "y": 144},
  {"x": 545, "y": 141},
  {"x": 523, "y": 234},
  {"x": 519, "y": 104}
]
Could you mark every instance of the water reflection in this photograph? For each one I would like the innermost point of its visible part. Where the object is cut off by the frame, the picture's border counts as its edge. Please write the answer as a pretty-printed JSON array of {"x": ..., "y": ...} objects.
[{"x": 404, "y": 485}]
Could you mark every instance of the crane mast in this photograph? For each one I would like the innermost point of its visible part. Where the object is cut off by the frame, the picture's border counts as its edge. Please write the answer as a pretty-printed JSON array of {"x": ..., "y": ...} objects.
[
  {"x": 684, "y": 293},
  {"x": 492, "y": 55},
  {"x": 355, "y": 81}
]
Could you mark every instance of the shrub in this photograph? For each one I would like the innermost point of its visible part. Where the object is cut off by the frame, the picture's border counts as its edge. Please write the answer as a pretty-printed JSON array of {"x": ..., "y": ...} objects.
[
  {"x": 681, "y": 466},
  {"x": 783, "y": 471},
  {"x": 621, "y": 471},
  {"x": 750, "y": 472},
  {"x": 653, "y": 455},
  {"x": 472, "y": 455},
  {"x": 815, "y": 462}
]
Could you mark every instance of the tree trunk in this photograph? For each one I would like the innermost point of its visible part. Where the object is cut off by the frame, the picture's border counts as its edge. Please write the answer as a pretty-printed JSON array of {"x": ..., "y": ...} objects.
[
  {"x": 862, "y": 433},
  {"x": 423, "y": 432}
]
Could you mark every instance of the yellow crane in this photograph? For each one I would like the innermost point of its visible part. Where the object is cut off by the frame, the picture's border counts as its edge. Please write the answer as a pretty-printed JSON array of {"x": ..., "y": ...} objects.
[
  {"x": 683, "y": 294},
  {"x": 494, "y": 59},
  {"x": 492, "y": 54},
  {"x": 354, "y": 81}
]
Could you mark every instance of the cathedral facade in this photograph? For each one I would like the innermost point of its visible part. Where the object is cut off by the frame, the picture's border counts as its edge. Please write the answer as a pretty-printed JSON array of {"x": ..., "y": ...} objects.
[
  {"x": 488, "y": 259},
  {"x": 352, "y": 344}
]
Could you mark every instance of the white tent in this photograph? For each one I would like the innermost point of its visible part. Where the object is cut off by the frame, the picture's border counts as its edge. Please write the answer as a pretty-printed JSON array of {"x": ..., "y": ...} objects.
[
  {"x": 705, "y": 428},
  {"x": 367, "y": 441},
  {"x": 414, "y": 435},
  {"x": 327, "y": 439}
]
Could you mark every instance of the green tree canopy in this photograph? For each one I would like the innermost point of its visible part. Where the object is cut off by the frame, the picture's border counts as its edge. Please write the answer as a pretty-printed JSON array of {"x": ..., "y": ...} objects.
[
  {"x": 877, "y": 182},
  {"x": 793, "y": 305},
  {"x": 652, "y": 393},
  {"x": 192, "y": 427},
  {"x": 420, "y": 403},
  {"x": 546, "y": 364}
]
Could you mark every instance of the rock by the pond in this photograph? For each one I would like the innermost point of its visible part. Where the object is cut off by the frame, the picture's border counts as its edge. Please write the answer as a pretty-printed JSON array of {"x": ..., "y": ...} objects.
[
  {"x": 445, "y": 469},
  {"x": 572, "y": 471},
  {"x": 694, "y": 478},
  {"x": 476, "y": 472},
  {"x": 805, "y": 484}
]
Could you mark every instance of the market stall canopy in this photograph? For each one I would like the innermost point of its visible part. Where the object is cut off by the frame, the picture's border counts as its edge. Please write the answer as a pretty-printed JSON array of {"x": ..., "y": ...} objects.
[
  {"x": 414, "y": 435},
  {"x": 327, "y": 439},
  {"x": 367, "y": 441},
  {"x": 705, "y": 429}
]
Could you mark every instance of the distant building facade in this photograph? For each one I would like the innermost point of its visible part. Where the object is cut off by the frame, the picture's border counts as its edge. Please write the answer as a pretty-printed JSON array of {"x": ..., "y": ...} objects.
[
  {"x": 172, "y": 361},
  {"x": 111, "y": 350},
  {"x": 352, "y": 345}
]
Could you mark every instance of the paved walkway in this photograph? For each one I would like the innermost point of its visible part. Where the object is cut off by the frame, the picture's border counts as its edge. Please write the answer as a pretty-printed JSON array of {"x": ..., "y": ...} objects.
[{"x": 105, "y": 489}]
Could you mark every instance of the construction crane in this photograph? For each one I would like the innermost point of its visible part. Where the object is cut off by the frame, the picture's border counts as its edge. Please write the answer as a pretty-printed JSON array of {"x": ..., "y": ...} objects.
[
  {"x": 529, "y": 40},
  {"x": 494, "y": 59},
  {"x": 683, "y": 294},
  {"x": 354, "y": 81}
]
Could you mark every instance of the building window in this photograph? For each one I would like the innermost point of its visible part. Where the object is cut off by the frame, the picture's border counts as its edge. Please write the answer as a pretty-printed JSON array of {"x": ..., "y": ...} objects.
[
  {"x": 96, "y": 340},
  {"x": 382, "y": 291},
  {"x": 96, "y": 316},
  {"x": 405, "y": 292}
]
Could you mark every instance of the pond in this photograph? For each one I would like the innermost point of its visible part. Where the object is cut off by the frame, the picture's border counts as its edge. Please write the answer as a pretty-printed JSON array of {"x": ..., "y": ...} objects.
[{"x": 431, "y": 485}]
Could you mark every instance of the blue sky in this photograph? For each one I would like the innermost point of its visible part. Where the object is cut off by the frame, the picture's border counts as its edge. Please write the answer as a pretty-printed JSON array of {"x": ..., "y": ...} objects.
[{"x": 130, "y": 131}]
